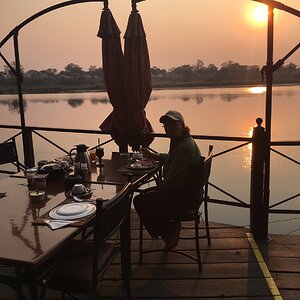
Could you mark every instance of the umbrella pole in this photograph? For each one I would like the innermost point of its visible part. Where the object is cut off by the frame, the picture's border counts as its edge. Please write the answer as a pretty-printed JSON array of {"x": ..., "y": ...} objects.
[{"x": 105, "y": 4}]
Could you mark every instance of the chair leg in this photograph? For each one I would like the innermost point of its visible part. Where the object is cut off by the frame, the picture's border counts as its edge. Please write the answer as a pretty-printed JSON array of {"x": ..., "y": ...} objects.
[
  {"x": 19, "y": 284},
  {"x": 141, "y": 243},
  {"x": 198, "y": 243},
  {"x": 206, "y": 221}
]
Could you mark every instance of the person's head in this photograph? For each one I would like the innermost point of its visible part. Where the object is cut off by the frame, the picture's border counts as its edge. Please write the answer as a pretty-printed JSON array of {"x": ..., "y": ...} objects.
[{"x": 173, "y": 123}]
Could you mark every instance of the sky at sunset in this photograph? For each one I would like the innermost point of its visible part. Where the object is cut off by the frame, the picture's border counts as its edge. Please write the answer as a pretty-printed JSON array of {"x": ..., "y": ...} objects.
[{"x": 178, "y": 32}]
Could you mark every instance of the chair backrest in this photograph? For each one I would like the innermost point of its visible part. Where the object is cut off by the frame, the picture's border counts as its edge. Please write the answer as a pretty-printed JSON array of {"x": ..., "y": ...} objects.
[
  {"x": 206, "y": 167},
  {"x": 111, "y": 214},
  {"x": 9, "y": 154}
]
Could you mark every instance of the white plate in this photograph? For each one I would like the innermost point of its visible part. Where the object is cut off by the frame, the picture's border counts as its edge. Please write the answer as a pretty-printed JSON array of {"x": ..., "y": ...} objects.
[
  {"x": 72, "y": 209},
  {"x": 89, "y": 209}
]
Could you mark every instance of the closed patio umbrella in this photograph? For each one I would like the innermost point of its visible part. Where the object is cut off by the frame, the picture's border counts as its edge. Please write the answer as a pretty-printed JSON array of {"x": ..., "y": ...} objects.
[
  {"x": 112, "y": 61},
  {"x": 137, "y": 80}
]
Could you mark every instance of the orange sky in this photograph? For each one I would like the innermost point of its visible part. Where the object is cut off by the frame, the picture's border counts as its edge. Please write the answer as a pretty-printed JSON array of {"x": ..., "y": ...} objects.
[{"x": 178, "y": 32}]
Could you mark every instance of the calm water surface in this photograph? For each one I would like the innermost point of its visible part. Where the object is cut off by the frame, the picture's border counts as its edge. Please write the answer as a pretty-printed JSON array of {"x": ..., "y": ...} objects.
[{"x": 214, "y": 111}]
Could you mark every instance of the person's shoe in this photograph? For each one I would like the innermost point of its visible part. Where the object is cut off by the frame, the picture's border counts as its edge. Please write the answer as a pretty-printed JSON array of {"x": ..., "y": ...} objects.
[{"x": 172, "y": 237}]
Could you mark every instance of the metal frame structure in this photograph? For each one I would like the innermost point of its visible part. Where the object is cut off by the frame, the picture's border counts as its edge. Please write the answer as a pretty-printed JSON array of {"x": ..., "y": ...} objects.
[{"x": 268, "y": 70}]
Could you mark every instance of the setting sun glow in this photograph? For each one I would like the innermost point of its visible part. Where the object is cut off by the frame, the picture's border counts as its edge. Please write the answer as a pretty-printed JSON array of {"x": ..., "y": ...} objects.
[
  {"x": 260, "y": 14},
  {"x": 257, "y": 90}
]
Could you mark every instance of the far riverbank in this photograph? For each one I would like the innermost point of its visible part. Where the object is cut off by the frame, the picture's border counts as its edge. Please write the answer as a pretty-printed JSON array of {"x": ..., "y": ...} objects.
[{"x": 49, "y": 89}]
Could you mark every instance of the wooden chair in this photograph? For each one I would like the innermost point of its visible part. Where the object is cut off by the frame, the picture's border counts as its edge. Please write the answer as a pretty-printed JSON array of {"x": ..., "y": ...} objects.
[
  {"x": 190, "y": 215},
  {"x": 9, "y": 154},
  {"x": 85, "y": 261}
]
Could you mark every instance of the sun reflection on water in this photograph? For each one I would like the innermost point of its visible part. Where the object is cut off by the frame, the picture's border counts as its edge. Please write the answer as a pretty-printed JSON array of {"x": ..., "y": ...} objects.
[
  {"x": 256, "y": 89},
  {"x": 248, "y": 151}
]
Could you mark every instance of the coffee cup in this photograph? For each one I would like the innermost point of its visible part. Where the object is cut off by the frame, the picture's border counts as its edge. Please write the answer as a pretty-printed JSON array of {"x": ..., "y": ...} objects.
[{"x": 78, "y": 189}]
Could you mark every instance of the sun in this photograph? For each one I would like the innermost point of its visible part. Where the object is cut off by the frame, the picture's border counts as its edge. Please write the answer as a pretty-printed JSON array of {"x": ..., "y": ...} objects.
[{"x": 259, "y": 14}]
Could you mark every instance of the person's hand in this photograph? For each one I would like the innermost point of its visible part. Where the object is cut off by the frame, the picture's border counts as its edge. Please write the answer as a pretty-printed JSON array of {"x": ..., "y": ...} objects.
[{"x": 149, "y": 155}]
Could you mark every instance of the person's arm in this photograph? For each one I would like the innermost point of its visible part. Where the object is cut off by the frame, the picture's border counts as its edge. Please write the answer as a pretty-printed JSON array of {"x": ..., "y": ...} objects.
[{"x": 153, "y": 156}]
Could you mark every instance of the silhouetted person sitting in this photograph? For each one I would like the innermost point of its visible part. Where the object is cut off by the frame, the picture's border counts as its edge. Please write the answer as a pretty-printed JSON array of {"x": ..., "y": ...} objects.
[{"x": 179, "y": 188}]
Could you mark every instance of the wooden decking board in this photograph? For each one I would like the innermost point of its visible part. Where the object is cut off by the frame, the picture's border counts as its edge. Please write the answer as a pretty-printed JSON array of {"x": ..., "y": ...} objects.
[
  {"x": 290, "y": 295},
  {"x": 279, "y": 264},
  {"x": 201, "y": 288},
  {"x": 217, "y": 244},
  {"x": 190, "y": 271},
  {"x": 215, "y": 233},
  {"x": 280, "y": 251},
  {"x": 288, "y": 281}
]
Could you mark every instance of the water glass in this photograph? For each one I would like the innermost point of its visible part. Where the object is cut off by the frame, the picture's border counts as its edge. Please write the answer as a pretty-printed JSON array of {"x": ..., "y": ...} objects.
[{"x": 29, "y": 173}]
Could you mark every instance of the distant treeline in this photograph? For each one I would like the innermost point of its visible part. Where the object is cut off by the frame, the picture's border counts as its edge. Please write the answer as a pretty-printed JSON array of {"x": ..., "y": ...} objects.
[{"x": 74, "y": 78}]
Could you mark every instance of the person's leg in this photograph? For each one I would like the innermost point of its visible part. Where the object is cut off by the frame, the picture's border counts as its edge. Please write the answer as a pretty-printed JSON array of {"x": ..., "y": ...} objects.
[
  {"x": 171, "y": 234},
  {"x": 153, "y": 212}
]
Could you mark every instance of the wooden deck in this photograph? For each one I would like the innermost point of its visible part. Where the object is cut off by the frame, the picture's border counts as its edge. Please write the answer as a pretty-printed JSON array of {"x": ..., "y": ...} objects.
[{"x": 230, "y": 269}]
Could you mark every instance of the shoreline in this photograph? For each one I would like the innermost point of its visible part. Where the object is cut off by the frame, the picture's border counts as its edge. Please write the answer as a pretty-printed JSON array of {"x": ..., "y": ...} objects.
[{"x": 167, "y": 87}]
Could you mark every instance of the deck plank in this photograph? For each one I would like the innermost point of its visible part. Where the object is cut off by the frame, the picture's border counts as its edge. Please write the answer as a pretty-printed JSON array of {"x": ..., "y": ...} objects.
[{"x": 200, "y": 288}]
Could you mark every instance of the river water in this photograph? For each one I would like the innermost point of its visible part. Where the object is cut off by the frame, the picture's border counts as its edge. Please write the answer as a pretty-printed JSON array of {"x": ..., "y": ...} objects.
[{"x": 213, "y": 111}]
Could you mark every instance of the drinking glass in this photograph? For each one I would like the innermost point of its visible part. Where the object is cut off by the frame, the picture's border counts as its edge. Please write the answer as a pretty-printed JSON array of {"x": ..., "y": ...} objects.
[{"x": 100, "y": 154}]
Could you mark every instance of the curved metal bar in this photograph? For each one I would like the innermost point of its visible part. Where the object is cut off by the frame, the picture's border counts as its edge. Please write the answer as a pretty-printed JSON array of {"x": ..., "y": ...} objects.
[
  {"x": 41, "y": 13},
  {"x": 171, "y": 250},
  {"x": 279, "y": 5}
]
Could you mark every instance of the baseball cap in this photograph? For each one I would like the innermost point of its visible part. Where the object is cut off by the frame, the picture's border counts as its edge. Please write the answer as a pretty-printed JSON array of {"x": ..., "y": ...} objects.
[{"x": 172, "y": 114}]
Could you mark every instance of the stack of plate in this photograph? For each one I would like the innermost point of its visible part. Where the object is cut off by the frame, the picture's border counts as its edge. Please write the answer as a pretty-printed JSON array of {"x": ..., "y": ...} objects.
[{"x": 72, "y": 211}]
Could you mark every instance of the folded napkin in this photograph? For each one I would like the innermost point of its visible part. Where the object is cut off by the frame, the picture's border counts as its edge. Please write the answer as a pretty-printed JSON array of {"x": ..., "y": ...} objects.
[
  {"x": 56, "y": 224},
  {"x": 61, "y": 223}
]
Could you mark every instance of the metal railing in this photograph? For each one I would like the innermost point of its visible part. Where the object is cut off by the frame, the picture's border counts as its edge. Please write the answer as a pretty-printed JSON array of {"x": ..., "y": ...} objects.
[{"x": 234, "y": 201}]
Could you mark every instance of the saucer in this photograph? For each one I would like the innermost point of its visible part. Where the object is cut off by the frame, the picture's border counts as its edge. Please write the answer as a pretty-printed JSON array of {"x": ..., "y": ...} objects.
[{"x": 88, "y": 192}]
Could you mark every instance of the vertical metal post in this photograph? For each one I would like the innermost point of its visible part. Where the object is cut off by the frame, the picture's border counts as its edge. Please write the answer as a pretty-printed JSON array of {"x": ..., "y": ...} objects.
[
  {"x": 26, "y": 134},
  {"x": 123, "y": 148},
  {"x": 257, "y": 182},
  {"x": 269, "y": 81}
]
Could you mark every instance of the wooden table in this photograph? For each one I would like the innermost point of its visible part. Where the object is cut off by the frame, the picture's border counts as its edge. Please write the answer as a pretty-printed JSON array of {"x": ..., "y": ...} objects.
[{"x": 27, "y": 246}]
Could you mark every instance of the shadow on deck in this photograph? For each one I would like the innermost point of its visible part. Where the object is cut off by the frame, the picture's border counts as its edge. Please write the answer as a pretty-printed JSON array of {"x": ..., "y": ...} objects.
[{"x": 230, "y": 269}]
